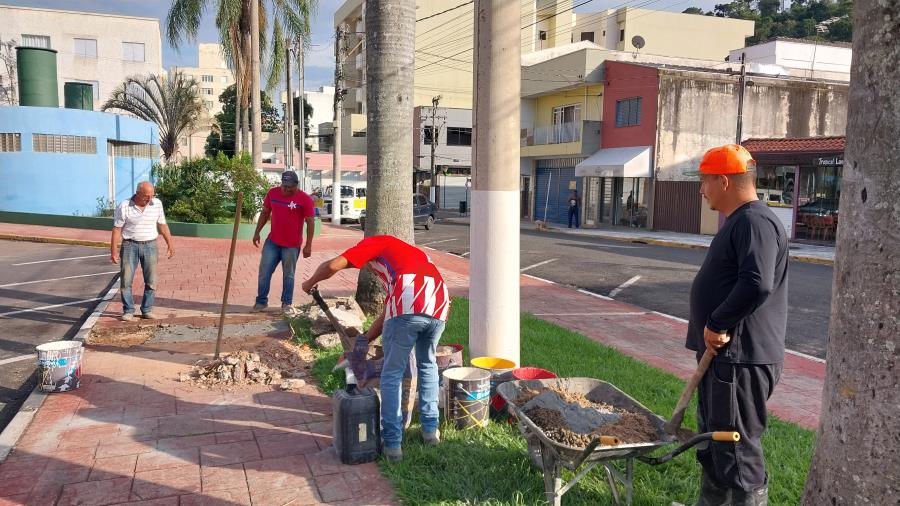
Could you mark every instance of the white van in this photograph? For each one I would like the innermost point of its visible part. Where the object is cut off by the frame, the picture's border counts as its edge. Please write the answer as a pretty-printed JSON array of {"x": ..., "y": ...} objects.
[{"x": 353, "y": 201}]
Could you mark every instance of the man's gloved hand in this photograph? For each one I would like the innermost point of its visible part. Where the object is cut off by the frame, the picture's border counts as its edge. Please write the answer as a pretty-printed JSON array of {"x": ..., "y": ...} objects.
[{"x": 357, "y": 356}]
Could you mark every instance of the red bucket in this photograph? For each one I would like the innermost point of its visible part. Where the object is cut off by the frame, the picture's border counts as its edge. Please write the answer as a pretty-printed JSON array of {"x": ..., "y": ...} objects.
[{"x": 532, "y": 373}]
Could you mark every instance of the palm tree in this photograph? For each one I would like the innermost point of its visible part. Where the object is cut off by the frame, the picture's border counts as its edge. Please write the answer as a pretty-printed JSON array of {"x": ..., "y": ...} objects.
[
  {"x": 390, "y": 45},
  {"x": 290, "y": 18},
  {"x": 173, "y": 103}
]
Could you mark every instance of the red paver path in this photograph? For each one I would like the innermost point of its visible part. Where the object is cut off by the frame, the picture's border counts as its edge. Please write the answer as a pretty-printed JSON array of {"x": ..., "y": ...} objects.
[{"x": 191, "y": 283}]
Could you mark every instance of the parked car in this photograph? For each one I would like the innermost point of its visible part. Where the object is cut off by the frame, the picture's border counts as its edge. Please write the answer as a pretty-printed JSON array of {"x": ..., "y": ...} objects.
[
  {"x": 353, "y": 201},
  {"x": 424, "y": 212}
]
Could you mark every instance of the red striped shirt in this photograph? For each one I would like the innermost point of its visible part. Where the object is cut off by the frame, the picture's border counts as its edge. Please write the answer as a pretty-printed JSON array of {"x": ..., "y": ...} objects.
[{"x": 410, "y": 279}]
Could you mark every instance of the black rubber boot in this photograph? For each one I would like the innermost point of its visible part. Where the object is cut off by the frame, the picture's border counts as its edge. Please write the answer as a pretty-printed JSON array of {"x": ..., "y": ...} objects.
[
  {"x": 759, "y": 497},
  {"x": 711, "y": 494}
]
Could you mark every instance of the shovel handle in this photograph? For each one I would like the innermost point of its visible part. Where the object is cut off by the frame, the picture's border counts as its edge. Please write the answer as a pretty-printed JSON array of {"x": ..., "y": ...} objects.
[
  {"x": 678, "y": 415},
  {"x": 726, "y": 437}
]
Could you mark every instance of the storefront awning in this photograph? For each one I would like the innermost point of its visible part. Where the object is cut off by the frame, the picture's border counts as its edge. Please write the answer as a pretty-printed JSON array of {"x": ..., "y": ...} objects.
[{"x": 616, "y": 162}]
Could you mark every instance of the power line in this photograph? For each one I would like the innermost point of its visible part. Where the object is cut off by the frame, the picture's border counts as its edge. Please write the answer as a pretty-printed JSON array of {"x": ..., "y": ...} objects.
[{"x": 446, "y": 11}]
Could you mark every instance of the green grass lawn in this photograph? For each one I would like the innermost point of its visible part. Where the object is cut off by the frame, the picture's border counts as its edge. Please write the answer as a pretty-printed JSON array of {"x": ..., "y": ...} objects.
[{"x": 489, "y": 466}]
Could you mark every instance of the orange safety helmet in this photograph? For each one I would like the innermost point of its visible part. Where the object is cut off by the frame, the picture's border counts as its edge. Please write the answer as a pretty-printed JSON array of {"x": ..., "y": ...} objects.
[{"x": 727, "y": 159}]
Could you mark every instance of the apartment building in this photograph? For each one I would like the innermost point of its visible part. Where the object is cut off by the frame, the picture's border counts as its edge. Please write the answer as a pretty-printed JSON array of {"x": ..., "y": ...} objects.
[
  {"x": 95, "y": 48},
  {"x": 213, "y": 75},
  {"x": 322, "y": 103}
]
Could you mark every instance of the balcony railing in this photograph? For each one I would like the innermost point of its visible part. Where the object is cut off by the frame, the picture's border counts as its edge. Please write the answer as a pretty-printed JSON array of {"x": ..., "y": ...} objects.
[{"x": 554, "y": 134}]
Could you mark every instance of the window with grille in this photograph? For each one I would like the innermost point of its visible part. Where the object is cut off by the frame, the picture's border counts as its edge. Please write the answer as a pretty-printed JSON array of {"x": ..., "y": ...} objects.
[
  {"x": 36, "y": 40},
  {"x": 133, "y": 149},
  {"x": 86, "y": 48},
  {"x": 628, "y": 112},
  {"x": 51, "y": 143},
  {"x": 207, "y": 78},
  {"x": 207, "y": 91},
  {"x": 10, "y": 142},
  {"x": 459, "y": 136},
  {"x": 133, "y": 51}
]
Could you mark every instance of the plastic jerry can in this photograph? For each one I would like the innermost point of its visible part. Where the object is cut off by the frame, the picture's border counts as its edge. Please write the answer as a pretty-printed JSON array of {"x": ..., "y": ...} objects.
[{"x": 357, "y": 427}]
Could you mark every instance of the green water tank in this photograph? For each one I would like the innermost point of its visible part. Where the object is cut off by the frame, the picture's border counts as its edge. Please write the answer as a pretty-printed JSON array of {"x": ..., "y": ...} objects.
[
  {"x": 79, "y": 96},
  {"x": 37, "y": 76}
]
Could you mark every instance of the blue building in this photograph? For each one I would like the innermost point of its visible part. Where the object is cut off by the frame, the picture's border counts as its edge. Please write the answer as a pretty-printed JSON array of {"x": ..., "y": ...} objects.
[{"x": 67, "y": 161}]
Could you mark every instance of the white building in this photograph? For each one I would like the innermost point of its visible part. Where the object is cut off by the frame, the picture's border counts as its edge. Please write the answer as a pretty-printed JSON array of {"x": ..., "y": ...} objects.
[
  {"x": 452, "y": 151},
  {"x": 213, "y": 75},
  {"x": 95, "y": 48},
  {"x": 322, "y": 103},
  {"x": 798, "y": 58}
]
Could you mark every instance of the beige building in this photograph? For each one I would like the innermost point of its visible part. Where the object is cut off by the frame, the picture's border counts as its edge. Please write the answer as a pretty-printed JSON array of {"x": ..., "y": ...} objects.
[
  {"x": 213, "y": 75},
  {"x": 95, "y": 48}
]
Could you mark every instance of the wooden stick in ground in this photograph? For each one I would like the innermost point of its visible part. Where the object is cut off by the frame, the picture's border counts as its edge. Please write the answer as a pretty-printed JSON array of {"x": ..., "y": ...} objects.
[{"x": 234, "y": 235}]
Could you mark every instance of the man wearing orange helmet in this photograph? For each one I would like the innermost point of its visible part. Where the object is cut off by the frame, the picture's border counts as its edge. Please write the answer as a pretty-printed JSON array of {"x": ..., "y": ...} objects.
[{"x": 738, "y": 311}]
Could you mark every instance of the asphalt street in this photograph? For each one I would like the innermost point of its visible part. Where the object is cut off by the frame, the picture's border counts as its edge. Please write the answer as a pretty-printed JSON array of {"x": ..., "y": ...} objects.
[
  {"x": 46, "y": 293},
  {"x": 657, "y": 278}
]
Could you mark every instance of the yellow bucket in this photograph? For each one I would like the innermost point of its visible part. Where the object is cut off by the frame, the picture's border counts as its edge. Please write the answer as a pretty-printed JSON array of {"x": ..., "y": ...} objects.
[{"x": 501, "y": 372}]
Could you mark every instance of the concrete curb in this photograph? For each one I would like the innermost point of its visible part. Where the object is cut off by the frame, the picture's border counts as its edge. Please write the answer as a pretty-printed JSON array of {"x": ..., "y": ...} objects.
[
  {"x": 659, "y": 242},
  {"x": 54, "y": 240},
  {"x": 16, "y": 427}
]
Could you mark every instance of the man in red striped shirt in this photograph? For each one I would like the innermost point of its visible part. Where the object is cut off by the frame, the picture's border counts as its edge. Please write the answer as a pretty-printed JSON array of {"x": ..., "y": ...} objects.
[{"x": 415, "y": 311}]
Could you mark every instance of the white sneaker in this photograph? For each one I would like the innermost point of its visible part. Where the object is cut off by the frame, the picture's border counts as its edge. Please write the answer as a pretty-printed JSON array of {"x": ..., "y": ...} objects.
[
  {"x": 289, "y": 310},
  {"x": 127, "y": 317}
]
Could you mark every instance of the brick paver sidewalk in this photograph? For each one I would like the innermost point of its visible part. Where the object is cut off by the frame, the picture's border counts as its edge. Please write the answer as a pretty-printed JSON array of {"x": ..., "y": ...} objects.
[{"x": 131, "y": 408}]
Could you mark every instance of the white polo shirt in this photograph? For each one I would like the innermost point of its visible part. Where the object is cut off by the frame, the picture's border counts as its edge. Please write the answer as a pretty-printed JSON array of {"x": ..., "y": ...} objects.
[{"x": 139, "y": 225}]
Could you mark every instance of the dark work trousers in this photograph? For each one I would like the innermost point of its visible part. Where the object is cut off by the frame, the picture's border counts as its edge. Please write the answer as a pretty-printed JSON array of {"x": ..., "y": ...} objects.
[
  {"x": 573, "y": 214},
  {"x": 732, "y": 397}
]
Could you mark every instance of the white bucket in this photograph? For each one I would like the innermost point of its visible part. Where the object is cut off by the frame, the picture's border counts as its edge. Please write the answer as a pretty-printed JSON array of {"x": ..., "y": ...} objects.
[{"x": 60, "y": 365}]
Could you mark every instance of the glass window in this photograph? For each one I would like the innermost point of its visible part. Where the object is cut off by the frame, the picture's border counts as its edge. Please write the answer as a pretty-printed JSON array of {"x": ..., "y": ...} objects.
[
  {"x": 566, "y": 124},
  {"x": 587, "y": 36},
  {"x": 622, "y": 35},
  {"x": 86, "y": 48},
  {"x": 628, "y": 112},
  {"x": 459, "y": 136},
  {"x": 29, "y": 40},
  {"x": 10, "y": 142},
  {"x": 360, "y": 193},
  {"x": 133, "y": 51},
  {"x": 631, "y": 203},
  {"x": 428, "y": 135},
  {"x": 775, "y": 184},
  {"x": 818, "y": 196},
  {"x": 207, "y": 78},
  {"x": 207, "y": 91}
]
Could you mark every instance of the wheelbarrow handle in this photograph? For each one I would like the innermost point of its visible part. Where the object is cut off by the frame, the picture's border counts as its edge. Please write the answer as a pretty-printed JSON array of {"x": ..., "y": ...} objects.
[{"x": 724, "y": 437}]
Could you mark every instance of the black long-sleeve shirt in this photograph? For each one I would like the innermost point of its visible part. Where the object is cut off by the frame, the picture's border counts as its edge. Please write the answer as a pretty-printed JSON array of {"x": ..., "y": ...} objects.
[{"x": 742, "y": 288}]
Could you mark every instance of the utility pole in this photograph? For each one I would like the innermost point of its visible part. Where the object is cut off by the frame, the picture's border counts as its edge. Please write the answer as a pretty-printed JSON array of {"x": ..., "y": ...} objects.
[
  {"x": 302, "y": 121},
  {"x": 255, "y": 86},
  {"x": 434, "y": 140},
  {"x": 338, "y": 112},
  {"x": 289, "y": 146},
  {"x": 494, "y": 235},
  {"x": 740, "y": 114}
]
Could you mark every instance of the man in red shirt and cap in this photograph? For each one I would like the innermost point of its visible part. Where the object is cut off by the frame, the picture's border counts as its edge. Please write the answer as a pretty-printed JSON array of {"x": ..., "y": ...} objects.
[{"x": 415, "y": 311}]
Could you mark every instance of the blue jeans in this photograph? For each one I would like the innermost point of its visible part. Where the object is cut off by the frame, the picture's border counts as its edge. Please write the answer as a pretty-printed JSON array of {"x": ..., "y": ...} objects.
[
  {"x": 400, "y": 335},
  {"x": 573, "y": 213},
  {"x": 130, "y": 255},
  {"x": 272, "y": 255}
]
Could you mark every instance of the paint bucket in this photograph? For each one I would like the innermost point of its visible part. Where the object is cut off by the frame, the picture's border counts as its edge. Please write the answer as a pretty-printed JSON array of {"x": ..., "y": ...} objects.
[
  {"x": 60, "y": 365},
  {"x": 532, "y": 373},
  {"x": 468, "y": 389},
  {"x": 446, "y": 356},
  {"x": 500, "y": 370}
]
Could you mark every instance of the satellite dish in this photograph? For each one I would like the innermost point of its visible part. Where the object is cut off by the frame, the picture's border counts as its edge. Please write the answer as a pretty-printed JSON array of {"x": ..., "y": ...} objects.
[{"x": 637, "y": 41}]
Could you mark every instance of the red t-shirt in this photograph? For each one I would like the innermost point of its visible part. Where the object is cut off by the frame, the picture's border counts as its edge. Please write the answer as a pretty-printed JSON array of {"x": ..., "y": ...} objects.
[
  {"x": 288, "y": 213},
  {"x": 410, "y": 279}
]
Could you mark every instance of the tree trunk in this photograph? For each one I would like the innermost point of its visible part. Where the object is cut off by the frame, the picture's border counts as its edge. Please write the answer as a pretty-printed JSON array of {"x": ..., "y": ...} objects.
[
  {"x": 857, "y": 458},
  {"x": 255, "y": 107},
  {"x": 245, "y": 85},
  {"x": 390, "y": 44},
  {"x": 238, "y": 110}
]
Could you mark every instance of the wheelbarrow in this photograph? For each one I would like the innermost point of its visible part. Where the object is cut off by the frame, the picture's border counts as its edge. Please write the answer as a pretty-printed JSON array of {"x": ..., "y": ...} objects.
[{"x": 616, "y": 459}]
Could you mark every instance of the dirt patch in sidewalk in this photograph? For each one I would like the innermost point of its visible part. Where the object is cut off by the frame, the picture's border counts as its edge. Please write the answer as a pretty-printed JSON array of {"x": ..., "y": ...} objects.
[
  {"x": 166, "y": 333},
  {"x": 278, "y": 362}
]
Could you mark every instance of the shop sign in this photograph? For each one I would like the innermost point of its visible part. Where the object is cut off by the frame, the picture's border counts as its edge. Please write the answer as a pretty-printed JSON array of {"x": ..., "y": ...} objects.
[{"x": 834, "y": 160}]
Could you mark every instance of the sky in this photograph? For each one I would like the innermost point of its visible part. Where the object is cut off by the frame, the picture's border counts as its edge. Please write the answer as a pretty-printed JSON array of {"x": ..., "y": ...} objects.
[{"x": 320, "y": 57}]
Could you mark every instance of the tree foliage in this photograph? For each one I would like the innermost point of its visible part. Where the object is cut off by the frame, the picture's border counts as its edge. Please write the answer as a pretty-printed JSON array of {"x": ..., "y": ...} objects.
[
  {"x": 831, "y": 20},
  {"x": 204, "y": 190},
  {"x": 222, "y": 141},
  {"x": 173, "y": 103}
]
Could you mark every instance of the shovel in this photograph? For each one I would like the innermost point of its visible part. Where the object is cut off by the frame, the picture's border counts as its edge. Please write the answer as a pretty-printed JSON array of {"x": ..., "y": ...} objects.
[
  {"x": 346, "y": 342},
  {"x": 673, "y": 426}
]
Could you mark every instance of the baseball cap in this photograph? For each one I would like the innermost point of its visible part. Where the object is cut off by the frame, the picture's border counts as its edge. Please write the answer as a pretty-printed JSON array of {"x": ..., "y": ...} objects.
[
  {"x": 727, "y": 159},
  {"x": 289, "y": 178}
]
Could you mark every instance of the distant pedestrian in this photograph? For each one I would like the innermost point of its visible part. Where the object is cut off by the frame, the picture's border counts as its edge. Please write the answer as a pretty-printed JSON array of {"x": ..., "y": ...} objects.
[
  {"x": 738, "y": 310},
  {"x": 289, "y": 208},
  {"x": 137, "y": 223},
  {"x": 574, "y": 209}
]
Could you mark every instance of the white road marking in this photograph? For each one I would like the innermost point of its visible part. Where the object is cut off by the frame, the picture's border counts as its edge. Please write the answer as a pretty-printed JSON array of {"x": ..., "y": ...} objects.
[
  {"x": 545, "y": 262},
  {"x": 623, "y": 286},
  {"x": 17, "y": 359},
  {"x": 60, "y": 260},
  {"x": 58, "y": 279},
  {"x": 804, "y": 355},
  {"x": 52, "y": 306},
  {"x": 664, "y": 315},
  {"x": 465, "y": 254},
  {"x": 618, "y": 246},
  {"x": 540, "y": 279},
  {"x": 592, "y": 294},
  {"x": 438, "y": 242},
  {"x": 594, "y": 314}
]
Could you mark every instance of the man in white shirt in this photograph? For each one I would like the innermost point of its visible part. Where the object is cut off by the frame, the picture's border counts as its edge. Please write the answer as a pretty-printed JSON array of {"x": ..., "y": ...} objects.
[{"x": 137, "y": 223}]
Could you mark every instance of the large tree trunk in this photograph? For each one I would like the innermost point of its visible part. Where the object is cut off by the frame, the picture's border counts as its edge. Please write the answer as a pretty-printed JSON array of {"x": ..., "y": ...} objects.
[
  {"x": 857, "y": 458},
  {"x": 390, "y": 45},
  {"x": 238, "y": 110},
  {"x": 255, "y": 107}
]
